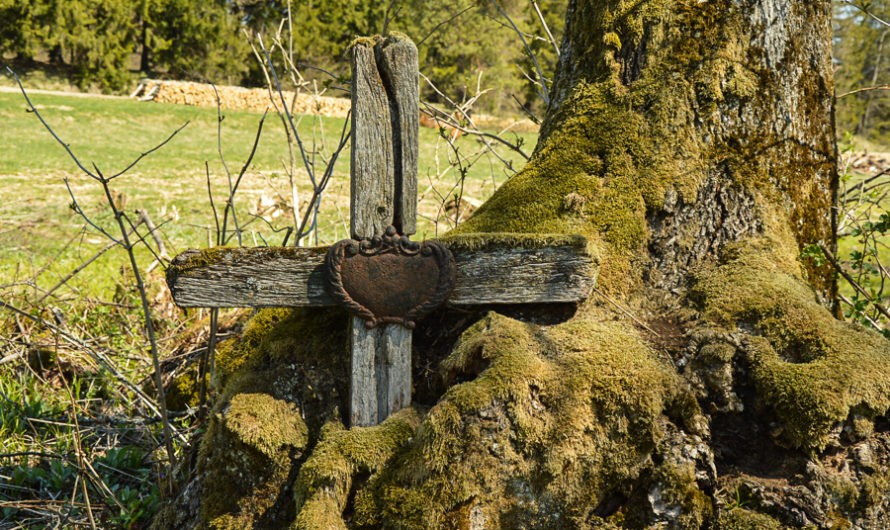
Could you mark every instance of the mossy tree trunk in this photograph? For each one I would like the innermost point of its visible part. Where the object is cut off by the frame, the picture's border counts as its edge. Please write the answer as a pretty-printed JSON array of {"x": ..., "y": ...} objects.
[
  {"x": 689, "y": 125},
  {"x": 706, "y": 383}
]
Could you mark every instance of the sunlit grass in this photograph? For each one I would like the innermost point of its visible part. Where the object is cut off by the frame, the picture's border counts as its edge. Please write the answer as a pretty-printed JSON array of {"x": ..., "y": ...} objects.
[{"x": 41, "y": 235}]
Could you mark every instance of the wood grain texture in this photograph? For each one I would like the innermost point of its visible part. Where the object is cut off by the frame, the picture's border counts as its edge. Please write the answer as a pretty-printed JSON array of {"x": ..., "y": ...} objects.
[
  {"x": 372, "y": 186},
  {"x": 384, "y": 192},
  {"x": 363, "y": 408},
  {"x": 397, "y": 63},
  {"x": 499, "y": 273}
]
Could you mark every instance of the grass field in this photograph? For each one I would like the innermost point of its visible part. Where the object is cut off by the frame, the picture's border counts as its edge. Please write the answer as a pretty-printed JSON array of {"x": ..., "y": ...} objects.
[{"x": 39, "y": 230}]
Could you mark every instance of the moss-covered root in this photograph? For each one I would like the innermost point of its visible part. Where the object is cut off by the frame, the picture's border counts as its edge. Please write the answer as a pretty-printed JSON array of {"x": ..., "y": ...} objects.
[
  {"x": 809, "y": 368},
  {"x": 741, "y": 519},
  {"x": 326, "y": 479},
  {"x": 551, "y": 422},
  {"x": 256, "y": 439}
]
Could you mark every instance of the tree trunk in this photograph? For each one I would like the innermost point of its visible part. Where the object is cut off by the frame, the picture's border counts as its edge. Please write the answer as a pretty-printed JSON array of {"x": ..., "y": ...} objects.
[
  {"x": 145, "y": 50},
  {"x": 705, "y": 384},
  {"x": 705, "y": 123}
]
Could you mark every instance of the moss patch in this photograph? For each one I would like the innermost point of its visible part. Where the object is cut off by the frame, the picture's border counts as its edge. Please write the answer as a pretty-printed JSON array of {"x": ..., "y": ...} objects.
[
  {"x": 806, "y": 366},
  {"x": 287, "y": 365},
  {"x": 266, "y": 423},
  {"x": 742, "y": 519},
  {"x": 556, "y": 419},
  {"x": 340, "y": 459},
  {"x": 255, "y": 439}
]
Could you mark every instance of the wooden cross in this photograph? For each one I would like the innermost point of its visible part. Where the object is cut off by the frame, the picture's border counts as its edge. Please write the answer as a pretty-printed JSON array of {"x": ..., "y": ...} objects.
[{"x": 484, "y": 270}]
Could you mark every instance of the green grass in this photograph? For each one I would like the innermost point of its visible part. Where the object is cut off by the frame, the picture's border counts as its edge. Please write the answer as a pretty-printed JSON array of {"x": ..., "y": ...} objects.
[{"x": 39, "y": 230}]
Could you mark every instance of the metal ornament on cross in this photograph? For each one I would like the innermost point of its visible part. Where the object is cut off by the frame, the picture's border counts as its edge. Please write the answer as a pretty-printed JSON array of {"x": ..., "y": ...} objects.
[{"x": 385, "y": 280}]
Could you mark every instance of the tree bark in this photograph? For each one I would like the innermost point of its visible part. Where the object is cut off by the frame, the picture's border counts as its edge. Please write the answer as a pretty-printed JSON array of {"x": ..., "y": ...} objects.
[{"x": 706, "y": 118}]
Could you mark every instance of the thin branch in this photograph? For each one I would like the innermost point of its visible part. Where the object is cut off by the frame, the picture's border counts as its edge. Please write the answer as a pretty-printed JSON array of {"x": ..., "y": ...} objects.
[
  {"x": 866, "y": 89},
  {"x": 231, "y": 202},
  {"x": 853, "y": 283},
  {"x": 544, "y": 92},
  {"x": 444, "y": 22},
  {"x": 546, "y": 27},
  {"x": 345, "y": 134},
  {"x": 626, "y": 312},
  {"x": 32, "y": 108},
  {"x": 99, "y": 357},
  {"x": 867, "y": 11},
  {"x": 79, "y": 211},
  {"x": 150, "y": 151},
  {"x": 212, "y": 205},
  {"x": 76, "y": 271},
  {"x": 149, "y": 325},
  {"x": 288, "y": 115}
]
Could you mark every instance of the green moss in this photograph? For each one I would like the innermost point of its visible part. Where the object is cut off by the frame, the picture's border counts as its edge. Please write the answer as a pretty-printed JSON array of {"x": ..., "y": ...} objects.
[
  {"x": 266, "y": 423},
  {"x": 257, "y": 434},
  {"x": 183, "y": 392},
  {"x": 678, "y": 488},
  {"x": 255, "y": 441},
  {"x": 201, "y": 259},
  {"x": 469, "y": 241},
  {"x": 875, "y": 491},
  {"x": 369, "y": 42},
  {"x": 555, "y": 420},
  {"x": 273, "y": 334},
  {"x": 327, "y": 477},
  {"x": 742, "y": 519},
  {"x": 809, "y": 368},
  {"x": 232, "y": 355}
]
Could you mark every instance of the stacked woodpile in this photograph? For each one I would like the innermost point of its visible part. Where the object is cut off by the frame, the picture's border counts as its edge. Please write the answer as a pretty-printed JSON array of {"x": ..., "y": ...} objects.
[
  {"x": 870, "y": 163},
  {"x": 236, "y": 98}
]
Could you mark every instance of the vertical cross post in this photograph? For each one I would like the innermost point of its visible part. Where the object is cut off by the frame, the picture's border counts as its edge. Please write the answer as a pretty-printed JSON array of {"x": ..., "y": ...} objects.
[{"x": 383, "y": 192}]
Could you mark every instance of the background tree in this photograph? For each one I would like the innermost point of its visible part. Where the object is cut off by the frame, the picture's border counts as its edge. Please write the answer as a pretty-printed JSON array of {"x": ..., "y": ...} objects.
[
  {"x": 196, "y": 40},
  {"x": 862, "y": 61},
  {"x": 20, "y": 34},
  {"x": 94, "y": 37}
]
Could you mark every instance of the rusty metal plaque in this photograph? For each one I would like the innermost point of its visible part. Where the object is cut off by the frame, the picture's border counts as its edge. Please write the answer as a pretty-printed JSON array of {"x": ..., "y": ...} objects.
[{"x": 389, "y": 279}]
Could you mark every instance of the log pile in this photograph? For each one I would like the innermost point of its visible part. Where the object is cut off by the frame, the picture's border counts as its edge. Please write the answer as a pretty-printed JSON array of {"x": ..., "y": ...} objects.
[{"x": 236, "y": 98}]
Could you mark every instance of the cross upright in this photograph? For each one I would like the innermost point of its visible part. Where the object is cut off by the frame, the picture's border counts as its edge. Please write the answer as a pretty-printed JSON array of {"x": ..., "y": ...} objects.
[{"x": 386, "y": 281}]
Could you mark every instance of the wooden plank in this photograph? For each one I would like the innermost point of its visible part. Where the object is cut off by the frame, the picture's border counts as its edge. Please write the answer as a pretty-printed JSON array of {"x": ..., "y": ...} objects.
[
  {"x": 397, "y": 62},
  {"x": 363, "y": 375},
  {"x": 372, "y": 188},
  {"x": 393, "y": 360},
  {"x": 498, "y": 273},
  {"x": 380, "y": 378}
]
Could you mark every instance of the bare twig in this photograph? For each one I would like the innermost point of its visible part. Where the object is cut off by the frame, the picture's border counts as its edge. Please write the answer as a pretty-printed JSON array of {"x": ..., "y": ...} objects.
[
  {"x": 230, "y": 204},
  {"x": 150, "y": 151},
  {"x": 103, "y": 360},
  {"x": 853, "y": 283},
  {"x": 866, "y": 89},
  {"x": 76, "y": 271},
  {"x": 149, "y": 325},
  {"x": 444, "y": 22},
  {"x": 472, "y": 130},
  {"x": 302, "y": 231},
  {"x": 626, "y": 312},
  {"x": 864, "y": 8},
  {"x": 546, "y": 27},
  {"x": 544, "y": 92}
]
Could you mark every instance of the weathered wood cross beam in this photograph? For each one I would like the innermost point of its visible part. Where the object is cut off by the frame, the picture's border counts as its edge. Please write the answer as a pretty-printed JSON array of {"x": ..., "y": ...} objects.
[{"x": 385, "y": 280}]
